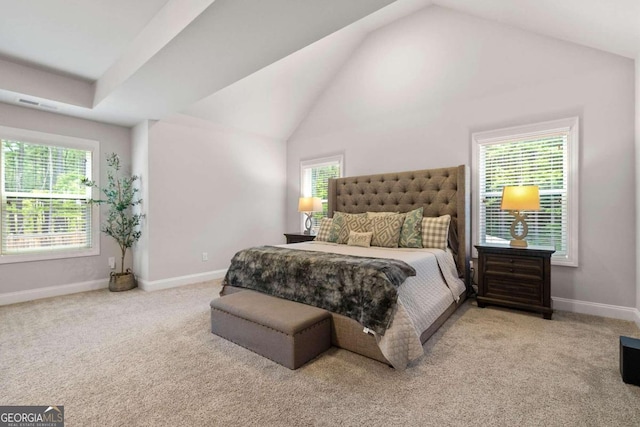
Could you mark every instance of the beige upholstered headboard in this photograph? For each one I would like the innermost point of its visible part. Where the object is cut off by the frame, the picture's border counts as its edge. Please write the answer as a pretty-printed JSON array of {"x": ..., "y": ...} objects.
[{"x": 439, "y": 191}]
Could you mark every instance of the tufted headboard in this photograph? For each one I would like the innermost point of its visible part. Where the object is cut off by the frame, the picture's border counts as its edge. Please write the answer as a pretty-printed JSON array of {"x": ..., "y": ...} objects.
[{"x": 439, "y": 191}]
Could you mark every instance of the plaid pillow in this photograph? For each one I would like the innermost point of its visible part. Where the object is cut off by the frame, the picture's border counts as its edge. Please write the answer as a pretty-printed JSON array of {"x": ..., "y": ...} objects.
[
  {"x": 323, "y": 231},
  {"x": 435, "y": 232}
]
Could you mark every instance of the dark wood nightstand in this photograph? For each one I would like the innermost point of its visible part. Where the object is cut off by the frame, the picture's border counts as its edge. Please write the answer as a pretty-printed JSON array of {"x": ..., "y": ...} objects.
[
  {"x": 299, "y": 237},
  {"x": 515, "y": 277}
]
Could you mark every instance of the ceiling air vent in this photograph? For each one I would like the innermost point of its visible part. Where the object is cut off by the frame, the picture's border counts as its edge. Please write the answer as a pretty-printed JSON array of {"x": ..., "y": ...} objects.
[
  {"x": 37, "y": 104},
  {"x": 28, "y": 102}
]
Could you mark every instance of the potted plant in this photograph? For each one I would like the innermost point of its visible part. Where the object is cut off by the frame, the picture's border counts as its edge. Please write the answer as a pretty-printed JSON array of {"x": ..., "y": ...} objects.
[{"x": 122, "y": 223}]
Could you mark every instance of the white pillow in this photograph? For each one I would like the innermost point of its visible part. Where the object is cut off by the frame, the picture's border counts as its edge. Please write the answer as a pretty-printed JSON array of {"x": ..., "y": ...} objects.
[{"x": 360, "y": 239}]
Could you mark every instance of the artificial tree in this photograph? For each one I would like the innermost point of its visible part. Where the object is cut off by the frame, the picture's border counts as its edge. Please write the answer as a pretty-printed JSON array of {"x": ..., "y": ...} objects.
[{"x": 122, "y": 223}]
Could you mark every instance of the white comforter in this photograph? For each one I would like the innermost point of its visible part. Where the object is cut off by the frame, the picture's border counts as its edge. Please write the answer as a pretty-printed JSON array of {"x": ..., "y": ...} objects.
[{"x": 421, "y": 298}]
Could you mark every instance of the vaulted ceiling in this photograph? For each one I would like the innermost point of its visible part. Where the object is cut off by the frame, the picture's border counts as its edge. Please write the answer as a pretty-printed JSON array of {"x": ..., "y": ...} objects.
[{"x": 250, "y": 64}]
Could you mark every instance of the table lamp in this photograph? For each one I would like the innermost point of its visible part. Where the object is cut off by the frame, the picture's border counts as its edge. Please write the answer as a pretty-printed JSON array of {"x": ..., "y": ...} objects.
[
  {"x": 515, "y": 200},
  {"x": 308, "y": 205}
]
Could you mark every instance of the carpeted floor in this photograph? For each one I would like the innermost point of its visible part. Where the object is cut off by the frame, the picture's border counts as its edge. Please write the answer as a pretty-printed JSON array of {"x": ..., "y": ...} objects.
[{"x": 148, "y": 359}]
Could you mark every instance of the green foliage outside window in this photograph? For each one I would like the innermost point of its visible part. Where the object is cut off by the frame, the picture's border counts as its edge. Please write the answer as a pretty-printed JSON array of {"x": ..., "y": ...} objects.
[
  {"x": 44, "y": 203},
  {"x": 540, "y": 162},
  {"x": 320, "y": 188}
]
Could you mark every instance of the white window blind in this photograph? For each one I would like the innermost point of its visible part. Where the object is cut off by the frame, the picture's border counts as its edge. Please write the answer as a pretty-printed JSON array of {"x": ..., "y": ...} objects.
[
  {"x": 44, "y": 207},
  {"x": 542, "y": 155},
  {"x": 315, "y": 175}
]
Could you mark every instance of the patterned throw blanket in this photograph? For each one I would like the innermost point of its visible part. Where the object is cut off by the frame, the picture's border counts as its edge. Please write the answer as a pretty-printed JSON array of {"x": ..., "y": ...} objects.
[{"x": 364, "y": 289}]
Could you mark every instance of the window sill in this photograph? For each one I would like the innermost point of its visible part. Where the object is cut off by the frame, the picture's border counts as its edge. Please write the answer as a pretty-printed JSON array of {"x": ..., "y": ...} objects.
[{"x": 40, "y": 256}]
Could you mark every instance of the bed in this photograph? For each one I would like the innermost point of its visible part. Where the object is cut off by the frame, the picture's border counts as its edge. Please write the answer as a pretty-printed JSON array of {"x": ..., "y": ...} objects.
[{"x": 426, "y": 300}]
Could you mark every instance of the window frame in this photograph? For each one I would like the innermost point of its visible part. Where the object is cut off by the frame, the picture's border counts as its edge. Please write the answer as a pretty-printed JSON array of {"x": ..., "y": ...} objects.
[
  {"x": 317, "y": 162},
  {"x": 569, "y": 125},
  {"x": 35, "y": 137}
]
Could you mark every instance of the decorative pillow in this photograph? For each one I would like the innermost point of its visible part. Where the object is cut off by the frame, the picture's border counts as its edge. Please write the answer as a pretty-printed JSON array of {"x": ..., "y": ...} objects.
[
  {"x": 411, "y": 232},
  {"x": 337, "y": 224},
  {"x": 345, "y": 222},
  {"x": 386, "y": 230},
  {"x": 323, "y": 231},
  {"x": 372, "y": 215},
  {"x": 360, "y": 239},
  {"x": 435, "y": 232}
]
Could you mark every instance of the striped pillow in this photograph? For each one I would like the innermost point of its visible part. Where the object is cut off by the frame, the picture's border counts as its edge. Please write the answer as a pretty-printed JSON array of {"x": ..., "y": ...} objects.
[
  {"x": 323, "y": 231},
  {"x": 435, "y": 232}
]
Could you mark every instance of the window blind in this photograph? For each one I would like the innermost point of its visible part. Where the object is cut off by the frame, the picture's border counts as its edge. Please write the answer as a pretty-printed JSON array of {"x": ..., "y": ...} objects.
[
  {"x": 44, "y": 204},
  {"x": 541, "y": 160}
]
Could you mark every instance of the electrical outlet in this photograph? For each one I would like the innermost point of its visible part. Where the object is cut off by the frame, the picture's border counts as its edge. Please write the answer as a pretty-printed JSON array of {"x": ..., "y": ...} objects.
[
  {"x": 470, "y": 264},
  {"x": 112, "y": 262},
  {"x": 205, "y": 256}
]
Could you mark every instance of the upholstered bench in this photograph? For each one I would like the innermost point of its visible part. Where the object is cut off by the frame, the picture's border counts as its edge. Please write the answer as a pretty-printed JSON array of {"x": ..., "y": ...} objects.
[{"x": 286, "y": 332}]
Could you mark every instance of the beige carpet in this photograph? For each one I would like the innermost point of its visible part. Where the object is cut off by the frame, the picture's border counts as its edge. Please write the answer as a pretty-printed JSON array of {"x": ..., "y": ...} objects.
[{"x": 148, "y": 359}]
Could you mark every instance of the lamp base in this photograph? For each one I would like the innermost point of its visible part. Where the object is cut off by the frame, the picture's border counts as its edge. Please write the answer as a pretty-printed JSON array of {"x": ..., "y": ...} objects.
[
  {"x": 519, "y": 243},
  {"x": 518, "y": 238},
  {"x": 308, "y": 223}
]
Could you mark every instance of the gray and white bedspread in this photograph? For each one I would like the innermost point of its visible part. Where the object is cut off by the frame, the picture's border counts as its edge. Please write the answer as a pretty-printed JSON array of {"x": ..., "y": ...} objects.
[
  {"x": 362, "y": 288},
  {"x": 421, "y": 298}
]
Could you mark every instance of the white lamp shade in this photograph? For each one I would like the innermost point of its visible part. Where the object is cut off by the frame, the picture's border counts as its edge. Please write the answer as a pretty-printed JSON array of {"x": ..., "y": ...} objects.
[
  {"x": 521, "y": 198},
  {"x": 310, "y": 204}
]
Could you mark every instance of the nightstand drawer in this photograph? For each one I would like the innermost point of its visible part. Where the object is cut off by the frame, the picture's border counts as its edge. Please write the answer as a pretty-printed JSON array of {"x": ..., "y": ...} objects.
[
  {"x": 299, "y": 237},
  {"x": 509, "y": 289},
  {"x": 515, "y": 277},
  {"x": 526, "y": 268}
]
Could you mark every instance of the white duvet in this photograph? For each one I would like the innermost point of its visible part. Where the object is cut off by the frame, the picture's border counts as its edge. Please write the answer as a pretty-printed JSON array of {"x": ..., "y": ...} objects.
[{"x": 421, "y": 298}]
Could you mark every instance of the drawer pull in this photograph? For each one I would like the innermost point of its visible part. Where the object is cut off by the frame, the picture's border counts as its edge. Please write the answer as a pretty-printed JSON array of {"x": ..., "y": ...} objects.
[
  {"x": 511, "y": 261},
  {"x": 511, "y": 270}
]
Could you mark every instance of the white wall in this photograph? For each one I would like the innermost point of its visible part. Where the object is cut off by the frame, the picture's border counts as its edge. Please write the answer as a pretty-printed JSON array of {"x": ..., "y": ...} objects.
[
  {"x": 211, "y": 189},
  {"x": 140, "y": 167},
  {"x": 412, "y": 94},
  {"x": 637, "y": 67},
  {"x": 30, "y": 276}
]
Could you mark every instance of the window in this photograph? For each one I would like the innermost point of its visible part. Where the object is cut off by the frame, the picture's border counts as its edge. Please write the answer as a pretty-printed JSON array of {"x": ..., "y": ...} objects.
[
  {"x": 544, "y": 154},
  {"x": 44, "y": 208},
  {"x": 314, "y": 182}
]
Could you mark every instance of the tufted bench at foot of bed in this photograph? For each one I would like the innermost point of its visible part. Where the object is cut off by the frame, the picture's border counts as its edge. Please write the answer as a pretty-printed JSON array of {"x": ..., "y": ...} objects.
[{"x": 286, "y": 332}]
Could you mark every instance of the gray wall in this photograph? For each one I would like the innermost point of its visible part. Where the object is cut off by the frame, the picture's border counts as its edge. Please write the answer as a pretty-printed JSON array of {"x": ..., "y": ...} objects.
[
  {"x": 412, "y": 94},
  {"x": 637, "y": 67},
  {"x": 39, "y": 274},
  {"x": 210, "y": 189},
  {"x": 140, "y": 167}
]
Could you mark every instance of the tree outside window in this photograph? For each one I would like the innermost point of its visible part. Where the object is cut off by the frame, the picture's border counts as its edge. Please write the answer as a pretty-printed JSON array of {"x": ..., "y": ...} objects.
[
  {"x": 315, "y": 175},
  {"x": 44, "y": 207},
  {"x": 545, "y": 155}
]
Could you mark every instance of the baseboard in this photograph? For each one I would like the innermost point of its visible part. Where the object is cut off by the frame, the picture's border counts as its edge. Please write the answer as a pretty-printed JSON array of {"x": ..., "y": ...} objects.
[
  {"x": 73, "y": 288},
  {"x": 156, "y": 285},
  {"x": 597, "y": 309},
  {"x": 52, "y": 291}
]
